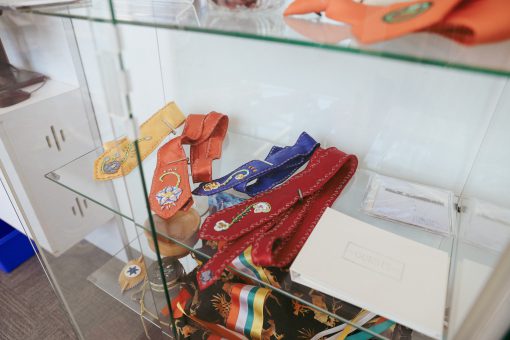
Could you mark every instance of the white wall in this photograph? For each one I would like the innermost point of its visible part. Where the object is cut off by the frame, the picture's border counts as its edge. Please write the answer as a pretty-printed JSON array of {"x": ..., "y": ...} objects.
[{"x": 490, "y": 176}]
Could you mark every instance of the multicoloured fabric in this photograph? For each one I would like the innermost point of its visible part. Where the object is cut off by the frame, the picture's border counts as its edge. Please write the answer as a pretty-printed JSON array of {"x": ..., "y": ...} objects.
[
  {"x": 246, "y": 312},
  {"x": 244, "y": 263},
  {"x": 227, "y": 304}
]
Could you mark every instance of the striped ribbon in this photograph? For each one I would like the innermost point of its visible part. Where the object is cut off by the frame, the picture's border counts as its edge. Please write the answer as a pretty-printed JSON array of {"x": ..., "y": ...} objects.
[
  {"x": 244, "y": 263},
  {"x": 246, "y": 314}
]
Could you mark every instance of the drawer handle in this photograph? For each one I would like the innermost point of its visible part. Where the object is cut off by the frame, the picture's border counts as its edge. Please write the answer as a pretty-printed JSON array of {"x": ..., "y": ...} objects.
[
  {"x": 74, "y": 210},
  {"x": 52, "y": 175},
  {"x": 48, "y": 141},
  {"x": 55, "y": 137},
  {"x": 79, "y": 206},
  {"x": 62, "y": 135}
]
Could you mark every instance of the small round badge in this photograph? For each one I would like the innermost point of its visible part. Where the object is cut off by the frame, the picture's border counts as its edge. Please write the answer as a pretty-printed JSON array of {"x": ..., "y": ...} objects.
[
  {"x": 132, "y": 271},
  {"x": 132, "y": 274}
]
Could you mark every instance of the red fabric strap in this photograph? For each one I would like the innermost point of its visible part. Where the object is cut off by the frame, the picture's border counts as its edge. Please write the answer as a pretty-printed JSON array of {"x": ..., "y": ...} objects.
[
  {"x": 170, "y": 190},
  {"x": 278, "y": 222}
]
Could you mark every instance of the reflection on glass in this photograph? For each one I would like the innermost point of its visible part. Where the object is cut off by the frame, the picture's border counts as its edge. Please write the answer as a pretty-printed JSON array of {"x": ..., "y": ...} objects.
[{"x": 266, "y": 23}]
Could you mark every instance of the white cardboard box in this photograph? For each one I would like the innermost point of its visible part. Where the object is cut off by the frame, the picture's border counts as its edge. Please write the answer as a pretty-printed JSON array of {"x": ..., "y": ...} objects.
[{"x": 395, "y": 277}]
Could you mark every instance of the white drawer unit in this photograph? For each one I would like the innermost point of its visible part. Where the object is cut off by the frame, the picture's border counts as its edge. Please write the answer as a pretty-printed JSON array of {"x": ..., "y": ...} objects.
[
  {"x": 38, "y": 136},
  {"x": 49, "y": 134}
]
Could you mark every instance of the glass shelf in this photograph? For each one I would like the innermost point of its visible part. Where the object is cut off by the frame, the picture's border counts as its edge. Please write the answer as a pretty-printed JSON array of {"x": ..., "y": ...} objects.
[
  {"x": 106, "y": 279},
  {"x": 308, "y": 30},
  {"x": 234, "y": 153}
]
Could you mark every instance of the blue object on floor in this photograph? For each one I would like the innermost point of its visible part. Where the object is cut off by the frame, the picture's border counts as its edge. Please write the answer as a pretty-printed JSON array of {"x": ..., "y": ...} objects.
[{"x": 15, "y": 248}]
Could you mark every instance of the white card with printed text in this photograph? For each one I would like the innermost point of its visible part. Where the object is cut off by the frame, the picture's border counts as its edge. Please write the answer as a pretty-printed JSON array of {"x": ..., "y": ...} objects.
[{"x": 387, "y": 274}]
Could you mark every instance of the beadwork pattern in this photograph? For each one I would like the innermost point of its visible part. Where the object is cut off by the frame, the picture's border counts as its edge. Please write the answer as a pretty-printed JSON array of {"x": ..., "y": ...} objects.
[
  {"x": 112, "y": 165},
  {"x": 258, "y": 207},
  {"x": 239, "y": 175},
  {"x": 170, "y": 194}
]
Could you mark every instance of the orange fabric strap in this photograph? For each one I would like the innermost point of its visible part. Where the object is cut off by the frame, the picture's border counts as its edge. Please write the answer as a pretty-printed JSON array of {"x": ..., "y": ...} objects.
[
  {"x": 170, "y": 190},
  {"x": 477, "y": 21},
  {"x": 376, "y": 23},
  {"x": 469, "y": 21}
]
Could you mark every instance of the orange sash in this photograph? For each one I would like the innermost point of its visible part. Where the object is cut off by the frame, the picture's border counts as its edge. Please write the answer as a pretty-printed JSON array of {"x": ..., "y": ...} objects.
[{"x": 469, "y": 22}]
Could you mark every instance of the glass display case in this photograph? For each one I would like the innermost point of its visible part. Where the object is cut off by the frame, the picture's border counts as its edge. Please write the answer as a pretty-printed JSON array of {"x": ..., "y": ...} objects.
[{"x": 154, "y": 156}]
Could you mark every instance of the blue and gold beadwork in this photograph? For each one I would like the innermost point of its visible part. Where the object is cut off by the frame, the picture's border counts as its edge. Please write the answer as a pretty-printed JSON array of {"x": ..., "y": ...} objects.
[{"x": 238, "y": 175}]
